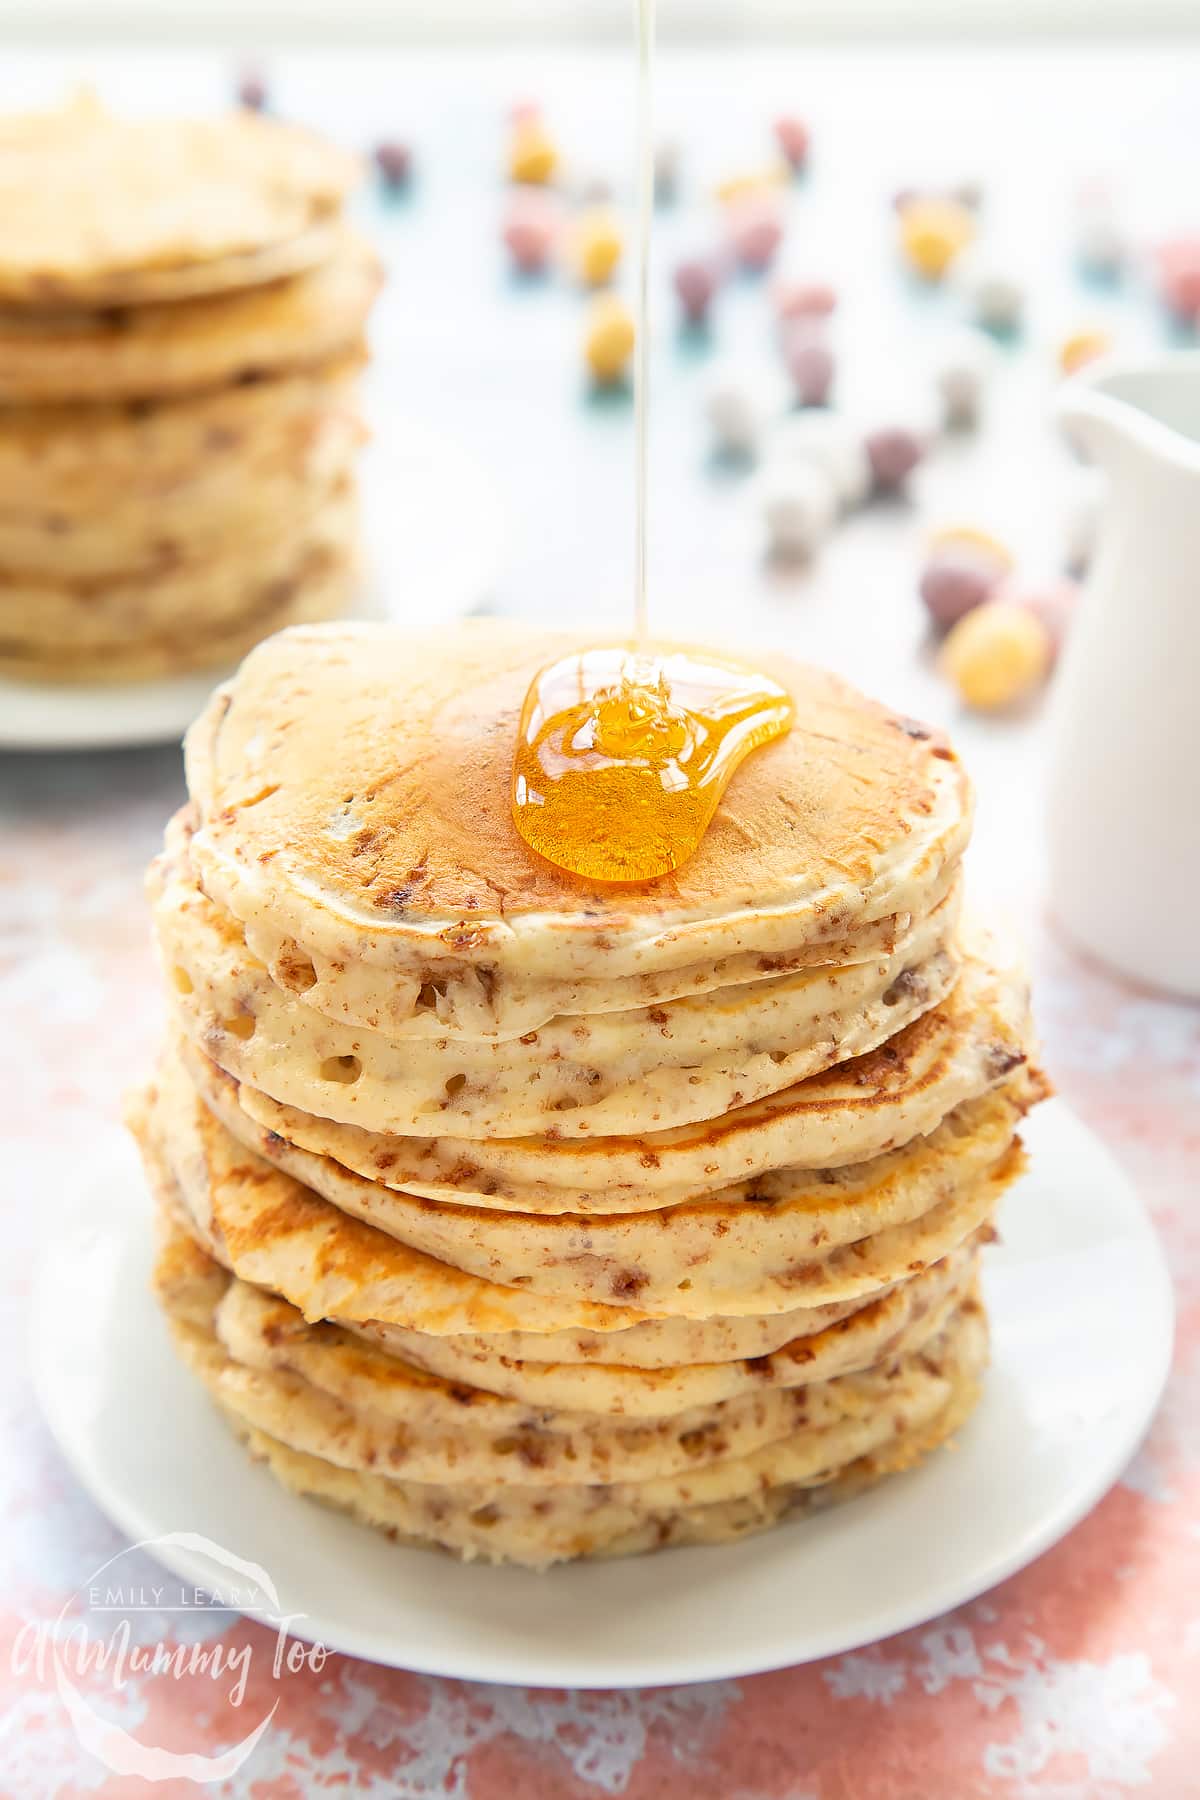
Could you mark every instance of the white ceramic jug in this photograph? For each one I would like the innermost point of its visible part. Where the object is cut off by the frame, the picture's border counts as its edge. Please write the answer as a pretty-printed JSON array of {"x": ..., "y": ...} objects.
[{"x": 1124, "y": 787}]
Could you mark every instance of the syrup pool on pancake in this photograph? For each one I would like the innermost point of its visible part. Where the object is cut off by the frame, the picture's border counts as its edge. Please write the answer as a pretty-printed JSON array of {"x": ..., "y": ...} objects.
[{"x": 623, "y": 752}]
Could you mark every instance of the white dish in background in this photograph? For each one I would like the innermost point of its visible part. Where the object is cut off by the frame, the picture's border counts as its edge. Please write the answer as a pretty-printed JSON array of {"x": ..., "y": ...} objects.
[
  {"x": 1068, "y": 1397},
  {"x": 422, "y": 567}
]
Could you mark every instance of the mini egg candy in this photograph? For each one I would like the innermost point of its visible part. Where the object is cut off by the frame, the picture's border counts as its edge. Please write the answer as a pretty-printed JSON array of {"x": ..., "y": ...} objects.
[
  {"x": 933, "y": 232},
  {"x": 696, "y": 279},
  {"x": 995, "y": 298},
  {"x": 960, "y": 374},
  {"x": 798, "y": 508},
  {"x": 997, "y": 655},
  {"x": 595, "y": 246},
  {"x": 734, "y": 408},
  {"x": 1100, "y": 246},
  {"x": 252, "y": 90},
  {"x": 830, "y": 443},
  {"x": 893, "y": 453},
  {"x": 795, "y": 300},
  {"x": 751, "y": 184},
  {"x": 792, "y": 137},
  {"x": 532, "y": 152},
  {"x": 394, "y": 163},
  {"x": 964, "y": 569},
  {"x": 608, "y": 343},
  {"x": 755, "y": 231},
  {"x": 968, "y": 193},
  {"x": 1179, "y": 276},
  {"x": 530, "y": 230},
  {"x": 1081, "y": 348},
  {"x": 1054, "y": 605},
  {"x": 668, "y": 161},
  {"x": 810, "y": 368}
]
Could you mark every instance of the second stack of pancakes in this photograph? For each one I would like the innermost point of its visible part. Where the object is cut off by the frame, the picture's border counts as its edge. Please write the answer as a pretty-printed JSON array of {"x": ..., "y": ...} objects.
[
  {"x": 181, "y": 329},
  {"x": 537, "y": 1219}
]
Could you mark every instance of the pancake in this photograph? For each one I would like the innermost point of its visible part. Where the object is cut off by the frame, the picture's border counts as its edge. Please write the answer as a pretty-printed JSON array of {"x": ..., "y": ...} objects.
[
  {"x": 100, "y": 210},
  {"x": 320, "y": 585},
  {"x": 375, "y": 830},
  {"x": 321, "y": 1444},
  {"x": 647, "y": 1070},
  {"x": 188, "y": 346},
  {"x": 734, "y": 1247},
  {"x": 59, "y": 524}
]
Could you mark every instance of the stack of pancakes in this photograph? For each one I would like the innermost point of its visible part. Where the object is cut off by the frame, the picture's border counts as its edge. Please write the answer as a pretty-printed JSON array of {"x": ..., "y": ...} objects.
[
  {"x": 536, "y": 1218},
  {"x": 181, "y": 328}
]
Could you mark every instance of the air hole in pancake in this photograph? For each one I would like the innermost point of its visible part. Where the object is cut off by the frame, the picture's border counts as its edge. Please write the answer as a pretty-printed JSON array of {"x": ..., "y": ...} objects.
[
  {"x": 778, "y": 1056},
  {"x": 485, "y": 1515},
  {"x": 345, "y": 1069},
  {"x": 293, "y": 970},
  {"x": 183, "y": 981},
  {"x": 455, "y": 1085},
  {"x": 431, "y": 992},
  {"x": 240, "y": 1026}
]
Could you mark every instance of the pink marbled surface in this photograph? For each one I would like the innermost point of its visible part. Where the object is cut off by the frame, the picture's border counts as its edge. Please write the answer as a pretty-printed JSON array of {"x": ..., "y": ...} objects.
[{"x": 1076, "y": 1680}]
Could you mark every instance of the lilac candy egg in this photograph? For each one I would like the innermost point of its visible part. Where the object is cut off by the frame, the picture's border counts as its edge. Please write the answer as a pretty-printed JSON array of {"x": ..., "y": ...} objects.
[
  {"x": 696, "y": 280},
  {"x": 804, "y": 300},
  {"x": 529, "y": 231},
  {"x": 893, "y": 453},
  {"x": 252, "y": 90},
  {"x": 755, "y": 230},
  {"x": 394, "y": 162},
  {"x": 951, "y": 586},
  {"x": 811, "y": 368}
]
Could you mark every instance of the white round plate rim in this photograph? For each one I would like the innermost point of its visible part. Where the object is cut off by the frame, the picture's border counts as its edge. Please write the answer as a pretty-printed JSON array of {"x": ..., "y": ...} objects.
[
  {"x": 413, "y": 546},
  {"x": 1106, "y": 1228}
]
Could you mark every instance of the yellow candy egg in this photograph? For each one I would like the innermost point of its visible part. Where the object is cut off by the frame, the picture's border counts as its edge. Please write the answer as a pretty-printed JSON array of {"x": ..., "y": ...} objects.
[
  {"x": 1082, "y": 347},
  {"x": 997, "y": 655},
  {"x": 595, "y": 246},
  {"x": 932, "y": 232},
  {"x": 972, "y": 540},
  {"x": 751, "y": 184},
  {"x": 532, "y": 153},
  {"x": 609, "y": 342}
]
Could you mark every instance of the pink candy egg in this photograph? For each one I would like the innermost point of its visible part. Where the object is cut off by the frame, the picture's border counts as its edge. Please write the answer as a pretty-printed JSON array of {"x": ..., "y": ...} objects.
[
  {"x": 252, "y": 90},
  {"x": 1179, "y": 275},
  {"x": 893, "y": 453},
  {"x": 811, "y": 367},
  {"x": 529, "y": 231},
  {"x": 792, "y": 136},
  {"x": 1054, "y": 605},
  {"x": 696, "y": 280},
  {"x": 755, "y": 231},
  {"x": 953, "y": 584},
  {"x": 804, "y": 300}
]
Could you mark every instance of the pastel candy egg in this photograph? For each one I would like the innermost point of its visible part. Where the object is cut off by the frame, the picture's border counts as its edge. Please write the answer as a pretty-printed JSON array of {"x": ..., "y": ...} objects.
[
  {"x": 529, "y": 231},
  {"x": 609, "y": 340},
  {"x": 972, "y": 540},
  {"x": 953, "y": 584},
  {"x": 1179, "y": 276},
  {"x": 798, "y": 508},
  {"x": 829, "y": 443},
  {"x": 1081, "y": 348},
  {"x": 803, "y": 300},
  {"x": 997, "y": 655},
  {"x": 933, "y": 232},
  {"x": 960, "y": 374},
  {"x": 595, "y": 246},
  {"x": 394, "y": 162},
  {"x": 668, "y": 161},
  {"x": 735, "y": 412},
  {"x": 696, "y": 280},
  {"x": 252, "y": 90},
  {"x": 1100, "y": 246},
  {"x": 810, "y": 367},
  {"x": 1054, "y": 605},
  {"x": 755, "y": 232},
  {"x": 792, "y": 137},
  {"x": 893, "y": 453},
  {"x": 994, "y": 295},
  {"x": 532, "y": 153}
]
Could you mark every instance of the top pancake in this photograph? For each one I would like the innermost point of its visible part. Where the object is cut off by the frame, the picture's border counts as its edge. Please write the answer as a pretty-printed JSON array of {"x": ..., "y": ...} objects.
[
  {"x": 100, "y": 211},
  {"x": 352, "y": 794}
]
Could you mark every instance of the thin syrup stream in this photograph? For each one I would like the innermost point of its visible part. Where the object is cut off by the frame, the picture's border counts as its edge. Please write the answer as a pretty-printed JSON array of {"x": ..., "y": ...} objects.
[{"x": 641, "y": 348}]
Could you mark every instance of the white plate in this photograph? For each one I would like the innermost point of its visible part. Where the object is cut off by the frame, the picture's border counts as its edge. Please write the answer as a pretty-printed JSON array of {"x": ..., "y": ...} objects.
[
  {"x": 418, "y": 488},
  {"x": 1082, "y": 1318}
]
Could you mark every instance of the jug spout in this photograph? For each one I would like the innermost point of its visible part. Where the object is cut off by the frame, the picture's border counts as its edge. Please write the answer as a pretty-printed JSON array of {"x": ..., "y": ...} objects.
[{"x": 1125, "y": 415}]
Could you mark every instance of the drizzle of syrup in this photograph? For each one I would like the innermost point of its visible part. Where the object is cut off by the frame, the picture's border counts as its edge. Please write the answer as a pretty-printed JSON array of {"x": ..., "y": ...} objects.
[{"x": 624, "y": 753}]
